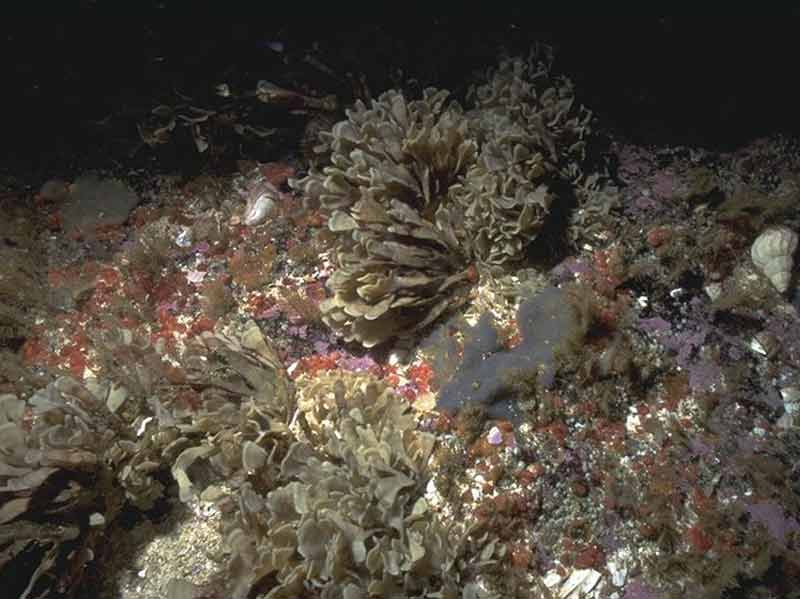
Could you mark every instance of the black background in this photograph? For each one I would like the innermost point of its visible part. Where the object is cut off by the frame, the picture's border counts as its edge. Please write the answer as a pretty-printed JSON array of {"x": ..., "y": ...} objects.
[{"x": 714, "y": 80}]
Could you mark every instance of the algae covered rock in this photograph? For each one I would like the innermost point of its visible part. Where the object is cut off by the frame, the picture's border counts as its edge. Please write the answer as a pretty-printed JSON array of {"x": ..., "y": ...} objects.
[
  {"x": 96, "y": 203},
  {"x": 419, "y": 192},
  {"x": 23, "y": 278}
]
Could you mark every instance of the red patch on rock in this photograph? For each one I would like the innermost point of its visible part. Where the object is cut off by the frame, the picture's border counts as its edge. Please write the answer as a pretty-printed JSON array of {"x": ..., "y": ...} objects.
[
  {"x": 277, "y": 173},
  {"x": 590, "y": 557},
  {"x": 699, "y": 540}
]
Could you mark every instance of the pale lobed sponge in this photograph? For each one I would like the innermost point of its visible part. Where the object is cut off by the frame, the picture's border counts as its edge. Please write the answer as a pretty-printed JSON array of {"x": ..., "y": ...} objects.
[{"x": 773, "y": 254}]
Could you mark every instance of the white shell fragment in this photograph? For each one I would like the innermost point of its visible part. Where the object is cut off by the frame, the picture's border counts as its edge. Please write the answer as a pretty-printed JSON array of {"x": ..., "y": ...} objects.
[
  {"x": 116, "y": 397},
  {"x": 97, "y": 519},
  {"x": 184, "y": 237},
  {"x": 713, "y": 291},
  {"x": 773, "y": 254},
  {"x": 791, "y": 404},
  {"x": 259, "y": 209},
  {"x": 253, "y": 457},
  {"x": 579, "y": 584},
  {"x": 791, "y": 400}
]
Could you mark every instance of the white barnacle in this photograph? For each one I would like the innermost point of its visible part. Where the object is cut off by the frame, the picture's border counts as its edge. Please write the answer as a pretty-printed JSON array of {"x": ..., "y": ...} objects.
[{"x": 773, "y": 254}]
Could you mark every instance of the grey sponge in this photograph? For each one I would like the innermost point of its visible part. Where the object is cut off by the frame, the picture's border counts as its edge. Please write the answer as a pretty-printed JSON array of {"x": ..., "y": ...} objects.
[{"x": 546, "y": 321}]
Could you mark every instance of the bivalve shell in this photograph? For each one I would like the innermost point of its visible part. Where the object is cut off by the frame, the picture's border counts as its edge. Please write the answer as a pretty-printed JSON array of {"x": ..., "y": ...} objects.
[
  {"x": 259, "y": 209},
  {"x": 773, "y": 254}
]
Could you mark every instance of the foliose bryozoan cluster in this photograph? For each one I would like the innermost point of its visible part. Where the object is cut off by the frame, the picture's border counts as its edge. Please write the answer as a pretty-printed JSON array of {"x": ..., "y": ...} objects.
[
  {"x": 420, "y": 193},
  {"x": 344, "y": 509}
]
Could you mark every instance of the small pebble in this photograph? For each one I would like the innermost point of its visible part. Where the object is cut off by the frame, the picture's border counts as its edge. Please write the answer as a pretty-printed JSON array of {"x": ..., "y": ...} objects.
[
  {"x": 184, "y": 237},
  {"x": 495, "y": 437}
]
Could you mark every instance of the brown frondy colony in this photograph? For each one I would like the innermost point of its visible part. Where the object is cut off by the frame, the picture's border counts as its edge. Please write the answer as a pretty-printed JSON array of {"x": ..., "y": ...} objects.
[{"x": 418, "y": 192}]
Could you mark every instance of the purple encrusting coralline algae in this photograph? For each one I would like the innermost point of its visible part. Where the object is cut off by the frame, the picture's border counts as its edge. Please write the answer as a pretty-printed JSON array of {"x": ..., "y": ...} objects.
[
  {"x": 636, "y": 589},
  {"x": 704, "y": 374},
  {"x": 773, "y": 517},
  {"x": 664, "y": 184}
]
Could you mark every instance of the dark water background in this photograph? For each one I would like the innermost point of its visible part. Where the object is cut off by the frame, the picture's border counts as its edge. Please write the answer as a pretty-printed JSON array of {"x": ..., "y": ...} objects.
[{"x": 715, "y": 80}]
